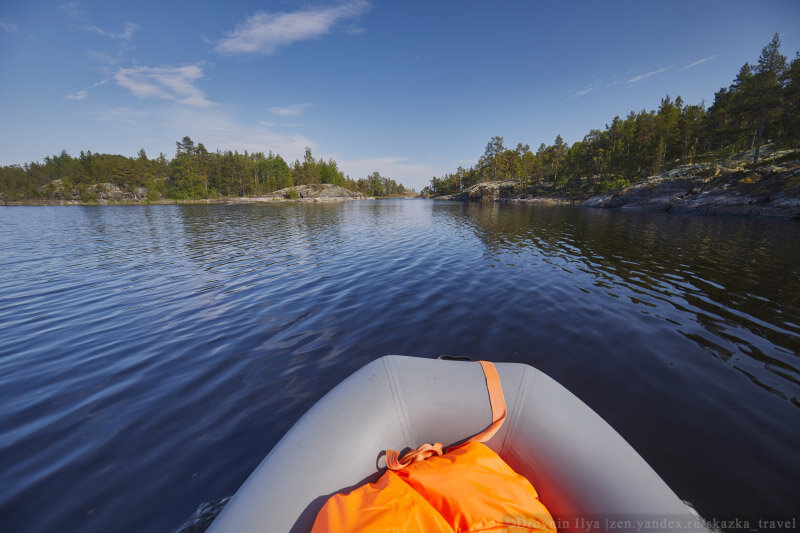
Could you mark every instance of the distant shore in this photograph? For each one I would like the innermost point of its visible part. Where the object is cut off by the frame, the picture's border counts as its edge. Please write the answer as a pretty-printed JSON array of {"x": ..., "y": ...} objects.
[
  {"x": 201, "y": 201},
  {"x": 112, "y": 195}
]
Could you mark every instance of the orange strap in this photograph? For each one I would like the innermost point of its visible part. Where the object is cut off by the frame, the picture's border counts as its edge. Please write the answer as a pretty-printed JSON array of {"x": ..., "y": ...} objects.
[
  {"x": 498, "y": 403},
  {"x": 421, "y": 453},
  {"x": 497, "y": 400}
]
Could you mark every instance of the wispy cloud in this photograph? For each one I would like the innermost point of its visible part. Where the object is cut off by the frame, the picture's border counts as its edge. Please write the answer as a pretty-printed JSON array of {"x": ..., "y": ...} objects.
[
  {"x": 7, "y": 25},
  {"x": 646, "y": 75},
  {"x": 126, "y": 34},
  {"x": 124, "y": 116},
  {"x": 80, "y": 95},
  {"x": 129, "y": 28},
  {"x": 265, "y": 32},
  {"x": 293, "y": 110},
  {"x": 102, "y": 57},
  {"x": 215, "y": 127},
  {"x": 167, "y": 83},
  {"x": 410, "y": 174},
  {"x": 599, "y": 83},
  {"x": 71, "y": 9},
  {"x": 586, "y": 90},
  {"x": 82, "y": 21},
  {"x": 700, "y": 61}
]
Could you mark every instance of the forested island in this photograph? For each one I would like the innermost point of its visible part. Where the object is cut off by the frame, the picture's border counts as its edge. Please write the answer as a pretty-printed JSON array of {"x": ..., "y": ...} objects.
[
  {"x": 194, "y": 174},
  {"x": 673, "y": 154},
  {"x": 682, "y": 157}
]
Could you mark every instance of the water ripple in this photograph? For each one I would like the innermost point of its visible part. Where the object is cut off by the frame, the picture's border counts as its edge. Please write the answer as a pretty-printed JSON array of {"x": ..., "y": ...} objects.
[{"x": 151, "y": 356}]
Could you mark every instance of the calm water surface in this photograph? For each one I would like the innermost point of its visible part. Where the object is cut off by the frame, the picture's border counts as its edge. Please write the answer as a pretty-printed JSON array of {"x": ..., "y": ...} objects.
[{"x": 151, "y": 356}]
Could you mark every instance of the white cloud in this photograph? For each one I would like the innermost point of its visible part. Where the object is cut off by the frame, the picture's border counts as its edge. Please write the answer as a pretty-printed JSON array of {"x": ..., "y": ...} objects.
[
  {"x": 83, "y": 22},
  {"x": 167, "y": 83},
  {"x": 293, "y": 110},
  {"x": 7, "y": 25},
  {"x": 265, "y": 32},
  {"x": 80, "y": 95},
  {"x": 699, "y": 61},
  {"x": 646, "y": 75},
  {"x": 586, "y": 90},
  {"x": 71, "y": 9},
  {"x": 127, "y": 33},
  {"x": 414, "y": 175},
  {"x": 217, "y": 129}
]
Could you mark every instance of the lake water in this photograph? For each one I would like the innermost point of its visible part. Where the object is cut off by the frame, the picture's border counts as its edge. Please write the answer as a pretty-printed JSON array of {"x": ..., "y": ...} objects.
[{"x": 150, "y": 356}]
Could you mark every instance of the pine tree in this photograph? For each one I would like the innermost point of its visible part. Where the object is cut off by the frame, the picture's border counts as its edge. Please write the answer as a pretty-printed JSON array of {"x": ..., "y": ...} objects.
[
  {"x": 791, "y": 98},
  {"x": 769, "y": 74}
]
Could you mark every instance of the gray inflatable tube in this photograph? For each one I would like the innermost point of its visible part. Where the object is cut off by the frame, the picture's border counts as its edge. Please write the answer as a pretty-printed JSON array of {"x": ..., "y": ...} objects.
[{"x": 584, "y": 471}]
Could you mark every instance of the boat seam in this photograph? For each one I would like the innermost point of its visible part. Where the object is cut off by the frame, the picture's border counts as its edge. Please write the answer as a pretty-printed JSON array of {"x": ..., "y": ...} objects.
[
  {"x": 399, "y": 401},
  {"x": 515, "y": 413}
]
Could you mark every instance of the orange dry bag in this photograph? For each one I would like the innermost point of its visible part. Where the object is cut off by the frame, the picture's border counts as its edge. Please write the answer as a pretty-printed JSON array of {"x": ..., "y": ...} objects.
[{"x": 469, "y": 488}]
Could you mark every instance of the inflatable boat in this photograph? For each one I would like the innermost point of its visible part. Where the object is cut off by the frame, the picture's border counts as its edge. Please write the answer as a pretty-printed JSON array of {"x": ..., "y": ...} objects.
[{"x": 586, "y": 474}]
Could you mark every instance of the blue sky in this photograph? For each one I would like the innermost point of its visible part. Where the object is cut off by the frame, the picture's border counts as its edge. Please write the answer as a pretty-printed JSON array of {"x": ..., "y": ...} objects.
[{"x": 411, "y": 89}]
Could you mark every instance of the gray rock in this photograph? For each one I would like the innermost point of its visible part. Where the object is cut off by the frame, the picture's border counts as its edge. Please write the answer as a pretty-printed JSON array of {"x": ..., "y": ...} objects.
[
  {"x": 315, "y": 192},
  {"x": 768, "y": 190},
  {"x": 487, "y": 191},
  {"x": 657, "y": 194},
  {"x": 601, "y": 200}
]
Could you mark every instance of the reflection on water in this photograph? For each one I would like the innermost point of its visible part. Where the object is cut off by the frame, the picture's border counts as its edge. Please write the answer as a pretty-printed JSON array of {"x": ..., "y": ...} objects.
[
  {"x": 151, "y": 356},
  {"x": 736, "y": 278}
]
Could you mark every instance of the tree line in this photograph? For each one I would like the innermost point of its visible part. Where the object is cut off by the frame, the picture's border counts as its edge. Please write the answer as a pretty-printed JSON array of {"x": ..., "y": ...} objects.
[
  {"x": 762, "y": 103},
  {"x": 194, "y": 173}
]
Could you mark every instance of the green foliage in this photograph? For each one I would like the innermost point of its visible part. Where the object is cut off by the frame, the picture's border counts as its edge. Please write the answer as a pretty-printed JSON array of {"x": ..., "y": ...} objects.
[
  {"x": 605, "y": 186},
  {"x": 792, "y": 156},
  {"x": 763, "y": 102},
  {"x": 292, "y": 193},
  {"x": 791, "y": 101},
  {"x": 726, "y": 154},
  {"x": 329, "y": 173},
  {"x": 375, "y": 185},
  {"x": 194, "y": 173},
  {"x": 86, "y": 195}
]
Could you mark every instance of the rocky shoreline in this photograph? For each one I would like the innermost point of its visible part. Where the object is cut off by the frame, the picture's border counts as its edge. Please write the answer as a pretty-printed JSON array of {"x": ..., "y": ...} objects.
[
  {"x": 505, "y": 191},
  {"x": 769, "y": 189},
  {"x": 319, "y": 192},
  {"x": 110, "y": 194}
]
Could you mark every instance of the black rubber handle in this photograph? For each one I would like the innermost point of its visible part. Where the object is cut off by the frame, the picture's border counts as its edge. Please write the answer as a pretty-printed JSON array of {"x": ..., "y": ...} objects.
[{"x": 454, "y": 358}]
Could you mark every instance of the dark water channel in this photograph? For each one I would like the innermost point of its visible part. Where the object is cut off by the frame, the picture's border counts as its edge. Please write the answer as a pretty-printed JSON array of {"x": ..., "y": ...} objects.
[{"x": 151, "y": 356}]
